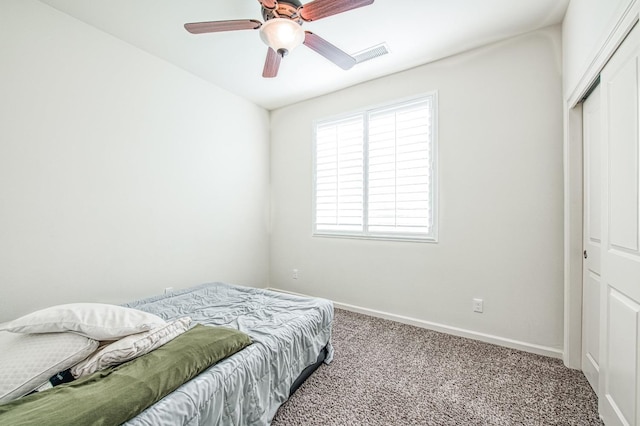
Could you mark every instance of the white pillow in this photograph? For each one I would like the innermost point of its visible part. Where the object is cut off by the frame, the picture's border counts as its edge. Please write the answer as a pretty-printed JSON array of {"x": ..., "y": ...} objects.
[
  {"x": 29, "y": 360},
  {"x": 94, "y": 320},
  {"x": 130, "y": 347}
]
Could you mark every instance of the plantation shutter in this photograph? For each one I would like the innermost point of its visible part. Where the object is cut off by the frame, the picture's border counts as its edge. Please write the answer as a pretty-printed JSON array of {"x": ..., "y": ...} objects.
[
  {"x": 375, "y": 171},
  {"x": 339, "y": 175},
  {"x": 400, "y": 169}
]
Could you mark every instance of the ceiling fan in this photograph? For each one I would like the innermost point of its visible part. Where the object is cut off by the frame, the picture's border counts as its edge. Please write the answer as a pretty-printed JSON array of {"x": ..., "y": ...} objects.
[{"x": 282, "y": 29}]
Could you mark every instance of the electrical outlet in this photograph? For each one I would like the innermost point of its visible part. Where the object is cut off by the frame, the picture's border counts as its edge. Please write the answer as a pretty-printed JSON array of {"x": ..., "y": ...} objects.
[
  {"x": 294, "y": 274},
  {"x": 168, "y": 290},
  {"x": 477, "y": 305}
]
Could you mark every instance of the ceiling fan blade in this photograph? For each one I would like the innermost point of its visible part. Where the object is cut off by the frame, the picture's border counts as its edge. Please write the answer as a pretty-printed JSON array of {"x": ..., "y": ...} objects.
[
  {"x": 328, "y": 50},
  {"x": 268, "y": 4},
  {"x": 319, "y": 9},
  {"x": 271, "y": 64},
  {"x": 218, "y": 26}
]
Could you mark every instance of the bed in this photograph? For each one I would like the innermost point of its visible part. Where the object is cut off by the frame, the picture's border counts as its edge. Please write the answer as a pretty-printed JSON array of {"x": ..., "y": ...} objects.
[{"x": 290, "y": 337}]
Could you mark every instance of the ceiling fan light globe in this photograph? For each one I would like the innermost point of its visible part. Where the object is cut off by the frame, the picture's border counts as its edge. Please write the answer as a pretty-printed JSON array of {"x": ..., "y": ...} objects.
[{"x": 282, "y": 35}]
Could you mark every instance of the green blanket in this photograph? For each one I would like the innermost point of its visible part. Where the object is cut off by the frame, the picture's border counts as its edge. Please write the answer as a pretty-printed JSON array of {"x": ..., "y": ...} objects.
[{"x": 114, "y": 395}]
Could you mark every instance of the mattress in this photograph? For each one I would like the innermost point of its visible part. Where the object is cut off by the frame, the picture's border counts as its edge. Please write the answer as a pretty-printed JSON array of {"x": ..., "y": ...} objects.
[{"x": 288, "y": 333}]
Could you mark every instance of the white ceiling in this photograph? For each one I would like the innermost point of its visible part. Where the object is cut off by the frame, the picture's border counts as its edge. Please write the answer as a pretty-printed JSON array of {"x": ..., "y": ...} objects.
[{"x": 416, "y": 32}]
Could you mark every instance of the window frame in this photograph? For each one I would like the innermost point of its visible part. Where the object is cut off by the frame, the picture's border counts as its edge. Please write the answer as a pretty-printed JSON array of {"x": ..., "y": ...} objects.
[{"x": 432, "y": 237}]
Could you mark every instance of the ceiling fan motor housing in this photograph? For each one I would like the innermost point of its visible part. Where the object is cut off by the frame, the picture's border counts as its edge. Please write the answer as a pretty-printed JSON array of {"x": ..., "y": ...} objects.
[{"x": 285, "y": 9}]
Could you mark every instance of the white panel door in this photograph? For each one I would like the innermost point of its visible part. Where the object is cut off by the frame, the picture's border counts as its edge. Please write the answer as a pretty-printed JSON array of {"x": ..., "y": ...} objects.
[
  {"x": 591, "y": 288},
  {"x": 619, "y": 396}
]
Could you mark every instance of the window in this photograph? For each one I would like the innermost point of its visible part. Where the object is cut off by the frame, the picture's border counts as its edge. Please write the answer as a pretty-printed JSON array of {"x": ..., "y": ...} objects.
[{"x": 375, "y": 173}]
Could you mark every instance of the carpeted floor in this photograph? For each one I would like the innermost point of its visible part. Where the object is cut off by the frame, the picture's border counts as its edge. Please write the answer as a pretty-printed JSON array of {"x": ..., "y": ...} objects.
[{"x": 386, "y": 373}]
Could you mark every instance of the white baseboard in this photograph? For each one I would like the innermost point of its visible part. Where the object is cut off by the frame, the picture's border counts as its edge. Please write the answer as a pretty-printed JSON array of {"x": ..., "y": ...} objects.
[{"x": 483, "y": 337}]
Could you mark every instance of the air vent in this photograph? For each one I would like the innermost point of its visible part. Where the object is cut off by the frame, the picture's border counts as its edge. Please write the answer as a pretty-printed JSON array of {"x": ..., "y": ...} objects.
[{"x": 371, "y": 53}]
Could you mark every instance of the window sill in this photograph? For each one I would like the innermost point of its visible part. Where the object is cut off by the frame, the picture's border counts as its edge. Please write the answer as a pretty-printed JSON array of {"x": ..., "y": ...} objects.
[{"x": 394, "y": 238}]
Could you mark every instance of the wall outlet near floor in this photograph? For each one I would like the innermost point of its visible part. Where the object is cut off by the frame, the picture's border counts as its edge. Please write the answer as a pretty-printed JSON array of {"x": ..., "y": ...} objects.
[
  {"x": 294, "y": 274},
  {"x": 168, "y": 290},
  {"x": 477, "y": 305}
]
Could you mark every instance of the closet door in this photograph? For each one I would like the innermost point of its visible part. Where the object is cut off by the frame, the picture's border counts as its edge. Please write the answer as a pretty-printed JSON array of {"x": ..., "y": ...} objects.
[
  {"x": 591, "y": 282},
  {"x": 620, "y": 297}
]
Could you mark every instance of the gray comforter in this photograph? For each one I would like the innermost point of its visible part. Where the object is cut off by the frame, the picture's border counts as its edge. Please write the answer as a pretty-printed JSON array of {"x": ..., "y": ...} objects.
[{"x": 246, "y": 389}]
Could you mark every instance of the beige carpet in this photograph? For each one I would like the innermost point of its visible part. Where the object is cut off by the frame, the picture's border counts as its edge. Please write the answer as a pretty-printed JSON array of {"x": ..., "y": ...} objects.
[{"x": 386, "y": 373}]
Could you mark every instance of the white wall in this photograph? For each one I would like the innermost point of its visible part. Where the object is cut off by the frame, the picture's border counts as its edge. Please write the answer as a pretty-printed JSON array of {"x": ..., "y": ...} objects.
[
  {"x": 119, "y": 173},
  {"x": 585, "y": 29},
  {"x": 500, "y": 178}
]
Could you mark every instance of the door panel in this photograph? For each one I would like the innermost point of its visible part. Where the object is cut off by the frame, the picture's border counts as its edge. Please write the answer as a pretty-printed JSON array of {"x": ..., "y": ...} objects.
[
  {"x": 623, "y": 157},
  {"x": 619, "y": 387},
  {"x": 623, "y": 355},
  {"x": 591, "y": 131},
  {"x": 592, "y": 304}
]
